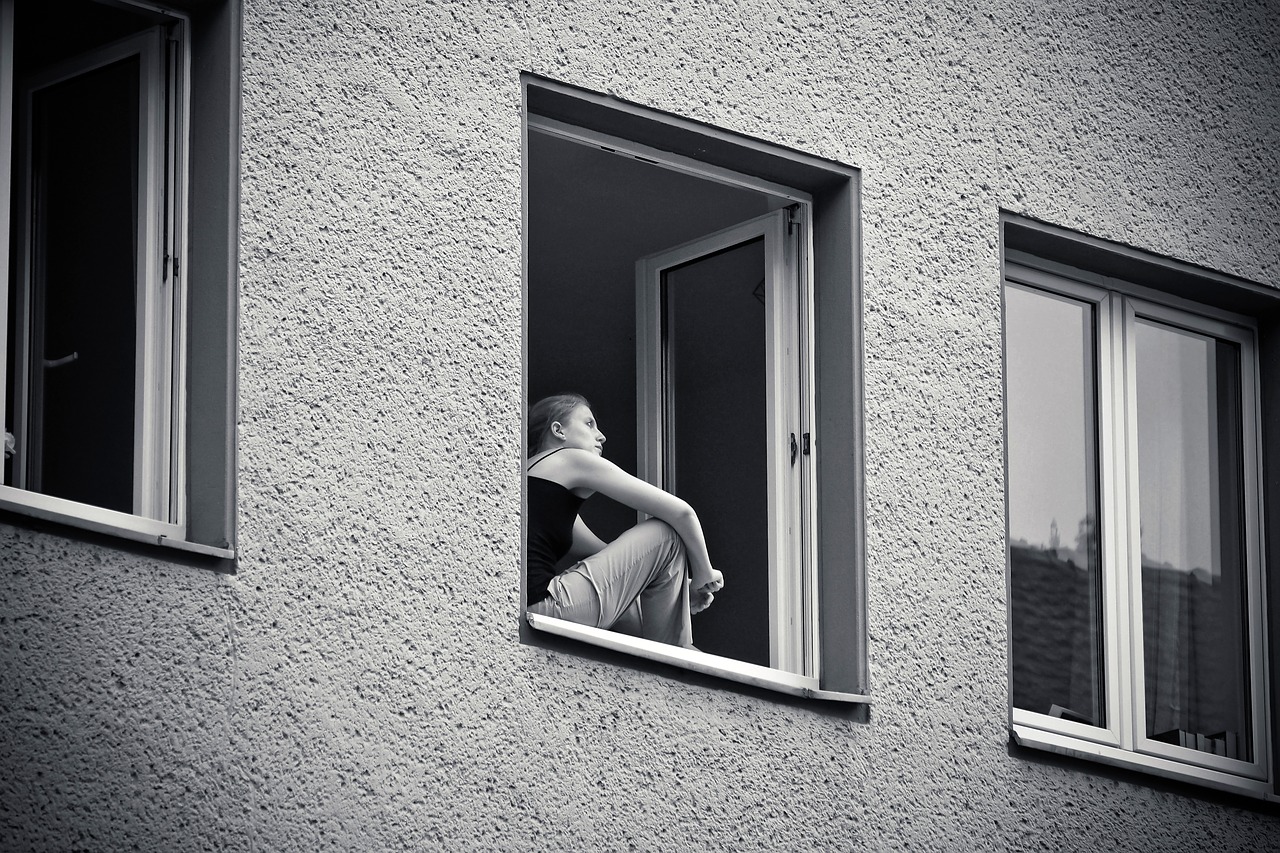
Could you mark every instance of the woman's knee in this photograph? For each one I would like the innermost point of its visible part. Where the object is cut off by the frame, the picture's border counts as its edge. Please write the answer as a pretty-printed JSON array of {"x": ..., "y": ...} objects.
[
  {"x": 660, "y": 530},
  {"x": 667, "y": 547}
]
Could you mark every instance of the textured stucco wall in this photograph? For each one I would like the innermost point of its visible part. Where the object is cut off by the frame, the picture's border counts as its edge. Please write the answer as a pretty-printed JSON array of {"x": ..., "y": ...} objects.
[{"x": 359, "y": 683}]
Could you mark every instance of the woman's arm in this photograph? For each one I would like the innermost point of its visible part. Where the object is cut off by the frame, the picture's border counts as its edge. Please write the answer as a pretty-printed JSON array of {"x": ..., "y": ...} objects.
[
  {"x": 585, "y": 541},
  {"x": 582, "y": 469}
]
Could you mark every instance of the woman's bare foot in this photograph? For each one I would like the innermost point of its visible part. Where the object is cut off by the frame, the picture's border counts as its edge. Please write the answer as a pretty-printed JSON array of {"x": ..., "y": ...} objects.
[{"x": 713, "y": 582}]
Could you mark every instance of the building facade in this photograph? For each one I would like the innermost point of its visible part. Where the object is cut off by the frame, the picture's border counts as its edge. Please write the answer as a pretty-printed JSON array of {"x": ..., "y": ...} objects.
[{"x": 975, "y": 383}]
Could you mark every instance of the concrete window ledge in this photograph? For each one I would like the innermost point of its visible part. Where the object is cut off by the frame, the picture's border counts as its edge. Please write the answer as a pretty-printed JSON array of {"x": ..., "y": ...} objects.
[
  {"x": 109, "y": 522},
  {"x": 720, "y": 667},
  {"x": 1033, "y": 738}
]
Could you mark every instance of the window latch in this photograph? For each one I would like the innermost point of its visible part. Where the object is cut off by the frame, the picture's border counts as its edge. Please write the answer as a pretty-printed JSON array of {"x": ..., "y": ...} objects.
[{"x": 803, "y": 447}]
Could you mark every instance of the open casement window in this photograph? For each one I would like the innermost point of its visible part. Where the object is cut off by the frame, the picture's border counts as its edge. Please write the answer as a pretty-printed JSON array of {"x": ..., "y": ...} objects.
[
  {"x": 94, "y": 321},
  {"x": 700, "y": 289},
  {"x": 722, "y": 412},
  {"x": 96, "y": 110},
  {"x": 1135, "y": 558}
]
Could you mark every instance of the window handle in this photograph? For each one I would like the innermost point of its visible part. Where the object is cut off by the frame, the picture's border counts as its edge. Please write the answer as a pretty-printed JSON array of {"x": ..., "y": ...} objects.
[
  {"x": 793, "y": 449},
  {"x": 67, "y": 359}
]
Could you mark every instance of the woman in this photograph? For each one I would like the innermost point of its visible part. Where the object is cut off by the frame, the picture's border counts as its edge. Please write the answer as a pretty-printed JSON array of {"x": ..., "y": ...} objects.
[{"x": 647, "y": 581}]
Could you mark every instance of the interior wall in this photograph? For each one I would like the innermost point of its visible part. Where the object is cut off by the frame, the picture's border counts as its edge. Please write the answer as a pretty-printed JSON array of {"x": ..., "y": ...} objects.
[{"x": 592, "y": 215}]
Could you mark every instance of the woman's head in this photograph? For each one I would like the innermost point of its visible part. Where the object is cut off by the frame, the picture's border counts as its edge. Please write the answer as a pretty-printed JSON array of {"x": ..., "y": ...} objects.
[{"x": 563, "y": 420}]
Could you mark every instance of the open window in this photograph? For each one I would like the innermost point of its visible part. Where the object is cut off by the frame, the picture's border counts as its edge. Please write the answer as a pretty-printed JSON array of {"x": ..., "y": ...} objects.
[
  {"x": 92, "y": 378},
  {"x": 722, "y": 421},
  {"x": 118, "y": 306},
  {"x": 700, "y": 289}
]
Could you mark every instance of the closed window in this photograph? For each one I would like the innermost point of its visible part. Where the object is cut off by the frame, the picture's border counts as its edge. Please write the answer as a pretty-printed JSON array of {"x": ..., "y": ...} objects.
[{"x": 1134, "y": 527}]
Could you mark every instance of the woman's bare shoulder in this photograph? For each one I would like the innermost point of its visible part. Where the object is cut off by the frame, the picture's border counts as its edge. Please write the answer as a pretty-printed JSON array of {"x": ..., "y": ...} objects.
[{"x": 566, "y": 458}]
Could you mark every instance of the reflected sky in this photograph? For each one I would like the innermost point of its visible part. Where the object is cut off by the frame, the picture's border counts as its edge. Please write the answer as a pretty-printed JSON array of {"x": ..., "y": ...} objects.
[
  {"x": 1185, "y": 423},
  {"x": 1178, "y": 445},
  {"x": 1050, "y": 375}
]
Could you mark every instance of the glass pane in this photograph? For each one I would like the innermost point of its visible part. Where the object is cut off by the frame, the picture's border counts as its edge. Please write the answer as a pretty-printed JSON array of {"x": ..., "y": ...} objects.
[
  {"x": 716, "y": 432},
  {"x": 1191, "y": 497},
  {"x": 1054, "y": 561},
  {"x": 85, "y": 160}
]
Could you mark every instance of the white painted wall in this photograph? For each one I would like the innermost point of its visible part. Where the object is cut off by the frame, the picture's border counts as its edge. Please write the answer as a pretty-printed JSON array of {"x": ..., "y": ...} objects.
[{"x": 359, "y": 682}]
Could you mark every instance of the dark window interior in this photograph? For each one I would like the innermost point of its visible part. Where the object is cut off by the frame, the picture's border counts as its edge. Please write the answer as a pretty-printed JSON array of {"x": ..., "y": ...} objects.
[{"x": 84, "y": 158}]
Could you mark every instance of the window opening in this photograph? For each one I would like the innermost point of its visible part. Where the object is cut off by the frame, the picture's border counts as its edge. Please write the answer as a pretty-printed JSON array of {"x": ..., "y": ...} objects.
[
  {"x": 93, "y": 410},
  {"x": 700, "y": 289}
]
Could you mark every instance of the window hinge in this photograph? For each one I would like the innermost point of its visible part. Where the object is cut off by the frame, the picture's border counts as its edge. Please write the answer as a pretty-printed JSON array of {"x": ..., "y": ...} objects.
[
  {"x": 793, "y": 216},
  {"x": 804, "y": 444}
]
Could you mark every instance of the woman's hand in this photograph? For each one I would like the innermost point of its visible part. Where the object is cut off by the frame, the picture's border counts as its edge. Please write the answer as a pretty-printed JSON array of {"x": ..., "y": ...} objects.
[
  {"x": 700, "y": 601},
  {"x": 701, "y": 595}
]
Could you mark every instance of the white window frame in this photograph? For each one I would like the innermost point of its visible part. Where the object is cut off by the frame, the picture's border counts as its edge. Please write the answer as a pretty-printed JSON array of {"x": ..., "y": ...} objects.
[
  {"x": 1123, "y": 742},
  {"x": 159, "y": 508},
  {"x": 788, "y": 365}
]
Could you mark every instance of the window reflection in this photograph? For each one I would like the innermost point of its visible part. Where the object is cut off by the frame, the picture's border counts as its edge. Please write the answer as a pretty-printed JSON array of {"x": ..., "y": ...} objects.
[
  {"x": 1055, "y": 571},
  {"x": 1190, "y": 494}
]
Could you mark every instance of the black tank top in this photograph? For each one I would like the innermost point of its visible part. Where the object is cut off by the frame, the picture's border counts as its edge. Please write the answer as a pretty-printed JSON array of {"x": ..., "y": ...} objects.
[{"x": 552, "y": 511}]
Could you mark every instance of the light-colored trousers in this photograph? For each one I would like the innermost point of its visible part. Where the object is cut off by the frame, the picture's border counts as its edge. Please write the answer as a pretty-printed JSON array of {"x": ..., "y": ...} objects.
[{"x": 638, "y": 585}]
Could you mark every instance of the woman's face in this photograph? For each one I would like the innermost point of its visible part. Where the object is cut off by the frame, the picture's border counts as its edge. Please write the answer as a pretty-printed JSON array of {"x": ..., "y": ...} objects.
[{"x": 579, "y": 429}]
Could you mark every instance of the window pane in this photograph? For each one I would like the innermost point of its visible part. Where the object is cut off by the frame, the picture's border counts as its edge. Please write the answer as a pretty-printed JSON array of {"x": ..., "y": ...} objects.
[
  {"x": 1190, "y": 492},
  {"x": 85, "y": 163},
  {"x": 717, "y": 415},
  {"x": 1054, "y": 563}
]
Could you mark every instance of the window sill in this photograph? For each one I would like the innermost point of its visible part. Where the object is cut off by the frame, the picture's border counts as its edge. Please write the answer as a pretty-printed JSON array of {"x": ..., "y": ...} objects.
[
  {"x": 1064, "y": 745},
  {"x": 720, "y": 667},
  {"x": 105, "y": 521}
]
